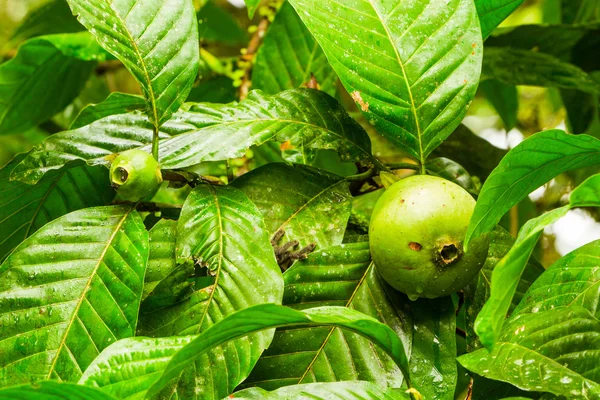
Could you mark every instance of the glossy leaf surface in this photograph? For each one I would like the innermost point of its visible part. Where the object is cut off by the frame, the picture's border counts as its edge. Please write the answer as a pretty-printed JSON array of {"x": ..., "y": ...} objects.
[
  {"x": 528, "y": 166},
  {"x": 47, "y": 73},
  {"x": 310, "y": 205},
  {"x": 289, "y": 55},
  {"x": 411, "y": 66},
  {"x": 156, "y": 40},
  {"x": 303, "y": 121},
  {"x": 222, "y": 231},
  {"x": 268, "y": 316},
  {"x": 69, "y": 291},
  {"x": 493, "y": 12},
  {"x": 552, "y": 351},
  {"x": 49, "y": 390},
  {"x": 323, "y": 391},
  {"x": 334, "y": 276},
  {"x": 507, "y": 273},
  {"x": 26, "y": 208}
]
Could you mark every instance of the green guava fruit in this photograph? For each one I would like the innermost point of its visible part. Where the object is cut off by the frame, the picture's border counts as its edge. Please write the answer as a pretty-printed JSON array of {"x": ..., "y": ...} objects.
[
  {"x": 135, "y": 175},
  {"x": 416, "y": 237}
]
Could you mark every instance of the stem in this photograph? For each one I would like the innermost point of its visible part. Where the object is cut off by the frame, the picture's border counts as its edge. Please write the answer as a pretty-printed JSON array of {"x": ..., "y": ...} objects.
[
  {"x": 403, "y": 165},
  {"x": 379, "y": 165},
  {"x": 253, "y": 46},
  {"x": 155, "y": 143},
  {"x": 362, "y": 176}
]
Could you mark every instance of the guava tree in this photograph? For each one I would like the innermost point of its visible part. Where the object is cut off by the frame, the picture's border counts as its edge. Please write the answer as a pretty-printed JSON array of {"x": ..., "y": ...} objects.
[{"x": 284, "y": 202}]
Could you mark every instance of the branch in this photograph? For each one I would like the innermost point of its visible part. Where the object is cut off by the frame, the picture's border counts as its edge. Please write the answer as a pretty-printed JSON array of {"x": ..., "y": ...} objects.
[{"x": 247, "y": 59}]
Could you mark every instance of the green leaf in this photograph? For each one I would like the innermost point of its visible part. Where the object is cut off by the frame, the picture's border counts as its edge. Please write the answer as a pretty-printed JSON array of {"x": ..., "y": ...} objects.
[
  {"x": 506, "y": 276},
  {"x": 217, "y": 25},
  {"x": 157, "y": 41},
  {"x": 572, "y": 280},
  {"x": 344, "y": 276},
  {"x": 528, "y": 166},
  {"x": 580, "y": 11},
  {"x": 433, "y": 357},
  {"x": 525, "y": 67},
  {"x": 310, "y": 205},
  {"x": 127, "y": 368},
  {"x": 69, "y": 291},
  {"x": 94, "y": 142},
  {"x": 552, "y": 351},
  {"x": 475, "y": 154},
  {"x": 221, "y": 230},
  {"x": 587, "y": 194},
  {"x": 166, "y": 282},
  {"x": 556, "y": 40},
  {"x": 323, "y": 391},
  {"x": 411, "y": 66},
  {"x": 267, "y": 316},
  {"x": 218, "y": 89},
  {"x": 493, "y": 12},
  {"x": 25, "y": 208},
  {"x": 478, "y": 291},
  {"x": 289, "y": 55},
  {"x": 47, "y": 73},
  {"x": 505, "y": 100},
  {"x": 49, "y": 390},
  {"x": 583, "y": 109},
  {"x": 50, "y": 18},
  {"x": 252, "y": 5},
  {"x": 303, "y": 120},
  {"x": 507, "y": 273},
  {"x": 115, "y": 103},
  {"x": 453, "y": 172},
  {"x": 132, "y": 365}
]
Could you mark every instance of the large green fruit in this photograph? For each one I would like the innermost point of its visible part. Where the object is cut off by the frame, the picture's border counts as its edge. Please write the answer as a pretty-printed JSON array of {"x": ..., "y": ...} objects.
[
  {"x": 416, "y": 237},
  {"x": 135, "y": 174}
]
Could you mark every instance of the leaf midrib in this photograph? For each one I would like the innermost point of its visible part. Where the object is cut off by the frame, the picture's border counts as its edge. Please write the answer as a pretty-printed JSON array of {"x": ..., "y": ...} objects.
[
  {"x": 84, "y": 292},
  {"x": 303, "y": 206},
  {"x": 143, "y": 64},
  {"x": 408, "y": 86},
  {"x": 350, "y": 300},
  {"x": 275, "y": 120},
  {"x": 220, "y": 258}
]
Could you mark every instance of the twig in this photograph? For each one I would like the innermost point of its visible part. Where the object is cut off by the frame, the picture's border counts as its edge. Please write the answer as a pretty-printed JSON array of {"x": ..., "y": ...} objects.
[
  {"x": 248, "y": 56},
  {"x": 403, "y": 165}
]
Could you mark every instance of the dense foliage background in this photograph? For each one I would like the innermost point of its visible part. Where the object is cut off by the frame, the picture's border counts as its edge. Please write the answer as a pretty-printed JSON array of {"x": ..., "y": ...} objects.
[{"x": 262, "y": 219}]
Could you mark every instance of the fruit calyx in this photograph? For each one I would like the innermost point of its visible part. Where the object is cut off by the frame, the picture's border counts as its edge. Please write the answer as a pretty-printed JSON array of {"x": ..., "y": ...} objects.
[{"x": 449, "y": 253}]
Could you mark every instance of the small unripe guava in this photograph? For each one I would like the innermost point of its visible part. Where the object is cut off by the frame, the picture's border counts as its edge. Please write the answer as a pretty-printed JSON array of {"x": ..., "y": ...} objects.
[
  {"x": 416, "y": 237},
  {"x": 135, "y": 174}
]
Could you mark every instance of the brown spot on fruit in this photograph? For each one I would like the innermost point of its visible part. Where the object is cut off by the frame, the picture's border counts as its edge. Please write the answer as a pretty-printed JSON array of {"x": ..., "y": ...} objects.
[
  {"x": 402, "y": 201},
  {"x": 415, "y": 246},
  {"x": 358, "y": 98}
]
